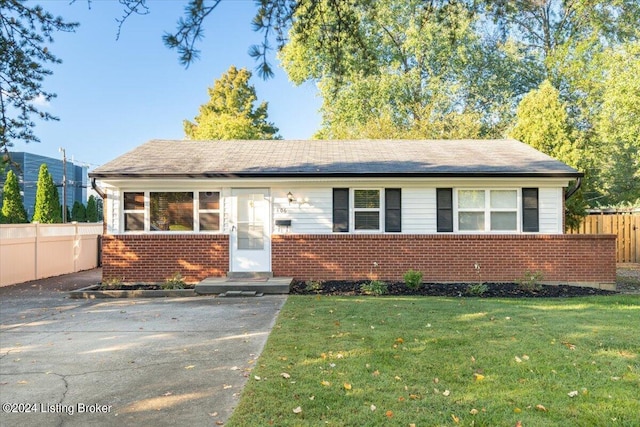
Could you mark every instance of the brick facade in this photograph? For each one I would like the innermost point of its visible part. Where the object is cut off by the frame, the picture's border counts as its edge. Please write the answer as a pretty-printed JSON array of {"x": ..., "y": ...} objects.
[
  {"x": 157, "y": 257},
  {"x": 575, "y": 259},
  {"x": 566, "y": 258}
]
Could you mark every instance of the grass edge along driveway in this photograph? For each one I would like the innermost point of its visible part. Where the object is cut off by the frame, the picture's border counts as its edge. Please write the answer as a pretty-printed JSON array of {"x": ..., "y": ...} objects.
[{"x": 448, "y": 361}]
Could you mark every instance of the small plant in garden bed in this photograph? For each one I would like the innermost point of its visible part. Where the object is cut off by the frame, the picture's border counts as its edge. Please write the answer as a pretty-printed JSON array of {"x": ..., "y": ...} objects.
[
  {"x": 374, "y": 287},
  {"x": 175, "y": 282},
  {"x": 413, "y": 279},
  {"x": 313, "y": 285},
  {"x": 477, "y": 289},
  {"x": 531, "y": 281},
  {"x": 112, "y": 283}
]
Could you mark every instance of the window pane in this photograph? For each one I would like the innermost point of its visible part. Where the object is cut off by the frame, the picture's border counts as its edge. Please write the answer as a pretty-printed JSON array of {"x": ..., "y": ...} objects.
[
  {"x": 367, "y": 220},
  {"x": 471, "y": 199},
  {"x": 250, "y": 236},
  {"x": 209, "y": 200},
  {"x": 504, "y": 221},
  {"x": 134, "y": 222},
  {"x": 133, "y": 201},
  {"x": 504, "y": 199},
  {"x": 171, "y": 211},
  {"x": 471, "y": 221},
  {"x": 209, "y": 221},
  {"x": 366, "y": 199}
]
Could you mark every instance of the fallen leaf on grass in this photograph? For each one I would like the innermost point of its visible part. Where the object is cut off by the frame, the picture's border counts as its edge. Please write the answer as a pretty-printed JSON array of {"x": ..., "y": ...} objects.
[
  {"x": 517, "y": 410},
  {"x": 285, "y": 375},
  {"x": 455, "y": 419},
  {"x": 474, "y": 411},
  {"x": 297, "y": 410},
  {"x": 389, "y": 414},
  {"x": 399, "y": 340},
  {"x": 325, "y": 383},
  {"x": 518, "y": 359},
  {"x": 446, "y": 393},
  {"x": 541, "y": 408},
  {"x": 347, "y": 386},
  {"x": 373, "y": 408},
  {"x": 569, "y": 345},
  {"x": 573, "y": 393},
  {"x": 478, "y": 377}
]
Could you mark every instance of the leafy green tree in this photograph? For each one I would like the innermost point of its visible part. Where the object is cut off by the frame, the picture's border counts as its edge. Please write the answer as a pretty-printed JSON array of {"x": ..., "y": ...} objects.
[
  {"x": 231, "y": 112},
  {"x": 78, "y": 212},
  {"x": 92, "y": 209},
  {"x": 617, "y": 128},
  {"x": 13, "y": 211},
  {"x": 47, "y": 209},
  {"x": 543, "y": 123},
  {"x": 26, "y": 31}
]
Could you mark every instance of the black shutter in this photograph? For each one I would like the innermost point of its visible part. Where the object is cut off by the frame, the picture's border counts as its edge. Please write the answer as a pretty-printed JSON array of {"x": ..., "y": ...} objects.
[
  {"x": 530, "y": 220},
  {"x": 392, "y": 210},
  {"x": 341, "y": 210},
  {"x": 444, "y": 201}
]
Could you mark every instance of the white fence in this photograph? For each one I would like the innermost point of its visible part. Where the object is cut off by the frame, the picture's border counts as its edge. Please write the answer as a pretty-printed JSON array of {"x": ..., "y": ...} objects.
[{"x": 36, "y": 251}]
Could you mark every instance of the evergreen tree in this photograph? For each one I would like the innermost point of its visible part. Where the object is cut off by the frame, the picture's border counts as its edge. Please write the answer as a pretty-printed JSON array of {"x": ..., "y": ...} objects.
[
  {"x": 47, "y": 209},
  {"x": 13, "y": 211},
  {"x": 230, "y": 112},
  {"x": 78, "y": 212},
  {"x": 92, "y": 210}
]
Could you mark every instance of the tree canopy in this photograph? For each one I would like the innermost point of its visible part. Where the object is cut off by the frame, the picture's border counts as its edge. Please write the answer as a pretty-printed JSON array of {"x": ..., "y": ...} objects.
[
  {"x": 231, "y": 112},
  {"x": 411, "y": 69}
]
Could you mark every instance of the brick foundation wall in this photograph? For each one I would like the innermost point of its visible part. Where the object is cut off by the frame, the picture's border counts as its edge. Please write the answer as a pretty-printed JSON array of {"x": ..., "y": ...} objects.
[
  {"x": 155, "y": 258},
  {"x": 569, "y": 259}
]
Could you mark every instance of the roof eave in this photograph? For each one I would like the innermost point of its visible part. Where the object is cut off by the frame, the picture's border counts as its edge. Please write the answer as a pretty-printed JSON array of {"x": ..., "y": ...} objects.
[{"x": 557, "y": 174}]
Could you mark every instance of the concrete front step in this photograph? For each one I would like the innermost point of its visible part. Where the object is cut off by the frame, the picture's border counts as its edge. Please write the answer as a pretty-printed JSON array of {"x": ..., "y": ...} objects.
[{"x": 223, "y": 285}]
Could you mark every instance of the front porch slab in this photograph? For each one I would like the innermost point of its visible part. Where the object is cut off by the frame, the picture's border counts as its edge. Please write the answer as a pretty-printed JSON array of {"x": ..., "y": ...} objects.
[{"x": 221, "y": 285}]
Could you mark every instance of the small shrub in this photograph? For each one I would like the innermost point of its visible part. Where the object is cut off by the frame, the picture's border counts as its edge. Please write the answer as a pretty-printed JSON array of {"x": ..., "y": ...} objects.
[
  {"x": 477, "y": 289},
  {"x": 175, "y": 282},
  {"x": 112, "y": 283},
  {"x": 531, "y": 281},
  {"x": 413, "y": 279},
  {"x": 374, "y": 287},
  {"x": 313, "y": 285}
]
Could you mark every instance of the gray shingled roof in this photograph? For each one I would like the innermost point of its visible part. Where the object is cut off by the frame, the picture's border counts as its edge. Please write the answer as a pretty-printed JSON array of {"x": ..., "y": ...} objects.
[{"x": 166, "y": 158}]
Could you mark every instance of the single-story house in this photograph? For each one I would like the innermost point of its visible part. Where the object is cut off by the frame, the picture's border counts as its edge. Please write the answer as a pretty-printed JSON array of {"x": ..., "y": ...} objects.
[{"x": 457, "y": 210}]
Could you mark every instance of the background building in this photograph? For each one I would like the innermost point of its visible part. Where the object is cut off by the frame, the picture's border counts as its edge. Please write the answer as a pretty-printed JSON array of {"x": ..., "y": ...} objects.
[{"x": 27, "y": 166}]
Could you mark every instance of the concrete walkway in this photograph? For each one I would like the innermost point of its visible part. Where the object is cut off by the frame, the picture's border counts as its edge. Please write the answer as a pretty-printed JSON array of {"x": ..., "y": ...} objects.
[{"x": 160, "y": 361}]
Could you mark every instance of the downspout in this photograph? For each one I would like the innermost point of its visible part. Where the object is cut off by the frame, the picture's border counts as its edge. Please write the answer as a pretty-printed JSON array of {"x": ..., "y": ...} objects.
[
  {"x": 101, "y": 193},
  {"x": 575, "y": 188}
]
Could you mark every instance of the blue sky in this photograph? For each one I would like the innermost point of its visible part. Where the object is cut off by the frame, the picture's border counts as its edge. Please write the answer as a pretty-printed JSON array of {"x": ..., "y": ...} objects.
[{"x": 115, "y": 95}]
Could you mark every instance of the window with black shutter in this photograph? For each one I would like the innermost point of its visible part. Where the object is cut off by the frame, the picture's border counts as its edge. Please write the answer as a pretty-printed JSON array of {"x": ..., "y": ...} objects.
[
  {"x": 392, "y": 213},
  {"x": 341, "y": 210},
  {"x": 530, "y": 222},
  {"x": 444, "y": 201}
]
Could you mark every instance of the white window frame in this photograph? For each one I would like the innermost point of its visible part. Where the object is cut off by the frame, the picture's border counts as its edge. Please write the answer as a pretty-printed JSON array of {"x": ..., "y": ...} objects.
[
  {"x": 143, "y": 211},
  {"x": 353, "y": 210},
  {"x": 147, "y": 212},
  {"x": 487, "y": 210},
  {"x": 197, "y": 211}
]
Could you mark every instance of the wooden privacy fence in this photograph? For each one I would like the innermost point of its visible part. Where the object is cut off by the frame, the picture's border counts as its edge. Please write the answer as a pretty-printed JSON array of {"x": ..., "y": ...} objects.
[{"x": 625, "y": 224}]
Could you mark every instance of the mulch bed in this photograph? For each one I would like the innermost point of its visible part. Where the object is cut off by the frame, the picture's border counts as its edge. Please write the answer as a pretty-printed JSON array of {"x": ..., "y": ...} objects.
[
  {"x": 493, "y": 290},
  {"x": 140, "y": 287}
]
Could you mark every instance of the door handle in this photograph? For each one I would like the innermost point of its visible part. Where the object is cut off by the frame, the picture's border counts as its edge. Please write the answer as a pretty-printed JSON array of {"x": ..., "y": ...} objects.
[{"x": 233, "y": 228}]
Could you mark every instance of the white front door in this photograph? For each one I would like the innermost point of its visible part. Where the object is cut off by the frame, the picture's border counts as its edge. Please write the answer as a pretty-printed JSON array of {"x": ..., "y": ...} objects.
[{"x": 250, "y": 230}]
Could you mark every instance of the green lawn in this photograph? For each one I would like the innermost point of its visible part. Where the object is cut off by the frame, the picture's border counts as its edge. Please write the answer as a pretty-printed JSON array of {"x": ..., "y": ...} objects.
[{"x": 429, "y": 361}]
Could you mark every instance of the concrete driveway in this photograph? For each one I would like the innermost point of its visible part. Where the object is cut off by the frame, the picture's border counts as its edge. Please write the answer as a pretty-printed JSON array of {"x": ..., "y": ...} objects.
[{"x": 160, "y": 361}]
